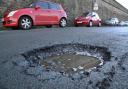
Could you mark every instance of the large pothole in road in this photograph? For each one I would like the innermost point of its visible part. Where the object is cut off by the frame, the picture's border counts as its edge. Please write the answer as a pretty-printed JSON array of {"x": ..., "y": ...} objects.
[
  {"x": 69, "y": 63},
  {"x": 68, "y": 58}
]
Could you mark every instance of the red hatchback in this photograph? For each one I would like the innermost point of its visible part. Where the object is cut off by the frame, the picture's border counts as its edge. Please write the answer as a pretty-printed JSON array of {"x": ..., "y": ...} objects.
[
  {"x": 88, "y": 19},
  {"x": 43, "y": 13}
]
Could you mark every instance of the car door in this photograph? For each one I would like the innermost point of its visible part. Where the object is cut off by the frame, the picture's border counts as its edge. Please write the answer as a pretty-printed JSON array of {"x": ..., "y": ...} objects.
[
  {"x": 43, "y": 15},
  {"x": 54, "y": 12}
]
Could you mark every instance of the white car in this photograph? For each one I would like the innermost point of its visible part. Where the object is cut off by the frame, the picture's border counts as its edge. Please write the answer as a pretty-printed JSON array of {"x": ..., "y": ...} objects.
[
  {"x": 123, "y": 23},
  {"x": 112, "y": 21}
]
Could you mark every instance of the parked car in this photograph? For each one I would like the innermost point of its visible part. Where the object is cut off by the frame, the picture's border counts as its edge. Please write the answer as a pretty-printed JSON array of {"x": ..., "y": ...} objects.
[
  {"x": 123, "y": 23},
  {"x": 44, "y": 13},
  {"x": 112, "y": 21},
  {"x": 88, "y": 19}
]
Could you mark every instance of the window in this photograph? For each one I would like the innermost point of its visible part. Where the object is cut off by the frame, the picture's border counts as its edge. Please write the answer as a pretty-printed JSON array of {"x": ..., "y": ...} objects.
[
  {"x": 54, "y": 6},
  {"x": 93, "y": 14},
  {"x": 32, "y": 5},
  {"x": 43, "y": 5},
  {"x": 85, "y": 14},
  {"x": 97, "y": 16}
]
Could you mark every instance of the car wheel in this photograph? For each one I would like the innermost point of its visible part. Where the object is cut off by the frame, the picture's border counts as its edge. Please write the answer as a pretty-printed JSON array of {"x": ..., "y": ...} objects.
[
  {"x": 25, "y": 23},
  {"x": 90, "y": 24},
  {"x": 48, "y": 26},
  {"x": 99, "y": 24},
  {"x": 63, "y": 22}
]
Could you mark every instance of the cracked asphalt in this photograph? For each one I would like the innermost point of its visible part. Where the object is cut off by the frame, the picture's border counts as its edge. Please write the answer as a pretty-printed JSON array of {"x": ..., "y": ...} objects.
[{"x": 113, "y": 75}]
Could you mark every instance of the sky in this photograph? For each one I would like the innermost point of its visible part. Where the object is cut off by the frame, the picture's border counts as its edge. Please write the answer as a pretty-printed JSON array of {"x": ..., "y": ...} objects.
[{"x": 123, "y": 2}]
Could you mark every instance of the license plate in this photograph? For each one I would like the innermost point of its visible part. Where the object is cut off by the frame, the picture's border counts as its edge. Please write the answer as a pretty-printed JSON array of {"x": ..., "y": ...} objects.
[{"x": 79, "y": 22}]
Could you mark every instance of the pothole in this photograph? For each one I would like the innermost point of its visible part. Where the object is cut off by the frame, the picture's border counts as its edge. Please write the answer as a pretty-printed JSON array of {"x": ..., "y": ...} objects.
[
  {"x": 70, "y": 63},
  {"x": 68, "y": 57}
]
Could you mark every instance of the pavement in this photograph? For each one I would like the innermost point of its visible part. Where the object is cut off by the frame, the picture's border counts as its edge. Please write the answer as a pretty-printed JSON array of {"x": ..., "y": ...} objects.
[{"x": 113, "y": 75}]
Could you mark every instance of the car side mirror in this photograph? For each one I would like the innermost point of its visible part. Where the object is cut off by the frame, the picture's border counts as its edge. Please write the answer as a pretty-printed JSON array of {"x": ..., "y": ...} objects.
[{"x": 37, "y": 7}]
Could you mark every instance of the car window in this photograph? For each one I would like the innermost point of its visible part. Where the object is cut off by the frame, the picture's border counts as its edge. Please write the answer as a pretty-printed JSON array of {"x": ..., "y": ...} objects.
[
  {"x": 32, "y": 5},
  {"x": 113, "y": 19},
  {"x": 97, "y": 16},
  {"x": 85, "y": 14},
  {"x": 43, "y": 5},
  {"x": 110, "y": 19},
  {"x": 116, "y": 19},
  {"x": 93, "y": 14},
  {"x": 54, "y": 6}
]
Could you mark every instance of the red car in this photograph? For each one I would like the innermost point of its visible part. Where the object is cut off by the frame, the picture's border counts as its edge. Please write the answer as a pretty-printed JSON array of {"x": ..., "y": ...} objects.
[
  {"x": 43, "y": 13},
  {"x": 88, "y": 19}
]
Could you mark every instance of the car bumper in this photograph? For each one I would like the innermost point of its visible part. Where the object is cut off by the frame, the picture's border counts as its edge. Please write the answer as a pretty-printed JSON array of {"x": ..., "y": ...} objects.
[
  {"x": 76, "y": 22},
  {"x": 9, "y": 22}
]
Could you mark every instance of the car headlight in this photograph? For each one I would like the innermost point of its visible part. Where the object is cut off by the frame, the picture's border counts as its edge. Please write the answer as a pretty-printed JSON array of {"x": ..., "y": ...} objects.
[{"x": 11, "y": 13}]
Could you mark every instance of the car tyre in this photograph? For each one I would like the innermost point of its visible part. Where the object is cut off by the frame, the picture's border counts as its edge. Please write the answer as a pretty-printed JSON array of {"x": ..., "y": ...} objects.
[
  {"x": 63, "y": 22},
  {"x": 99, "y": 24},
  {"x": 25, "y": 23},
  {"x": 90, "y": 23}
]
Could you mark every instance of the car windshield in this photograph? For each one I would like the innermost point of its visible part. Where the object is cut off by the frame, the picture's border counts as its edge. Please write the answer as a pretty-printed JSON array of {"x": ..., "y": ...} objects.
[
  {"x": 32, "y": 5},
  {"x": 113, "y": 19},
  {"x": 86, "y": 14},
  {"x": 110, "y": 19}
]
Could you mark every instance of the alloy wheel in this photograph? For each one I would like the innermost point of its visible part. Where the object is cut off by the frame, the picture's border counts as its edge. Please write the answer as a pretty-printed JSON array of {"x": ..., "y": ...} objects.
[
  {"x": 25, "y": 23},
  {"x": 90, "y": 24},
  {"x": 63, "y": 22},
  {"x": 99, "y": 24}
]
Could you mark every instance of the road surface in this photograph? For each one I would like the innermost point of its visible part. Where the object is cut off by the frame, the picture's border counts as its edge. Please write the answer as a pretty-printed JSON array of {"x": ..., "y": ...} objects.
[{"x": 15, "y": 42}]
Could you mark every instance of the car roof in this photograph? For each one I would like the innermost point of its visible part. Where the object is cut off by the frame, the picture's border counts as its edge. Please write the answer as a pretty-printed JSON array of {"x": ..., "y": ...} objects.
[
  {"x": 89, "y": 12},
  {"x": 44, "y": 1},
  {"x": 47, "y": 1},
  {"x": 114, "y": 18}
]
